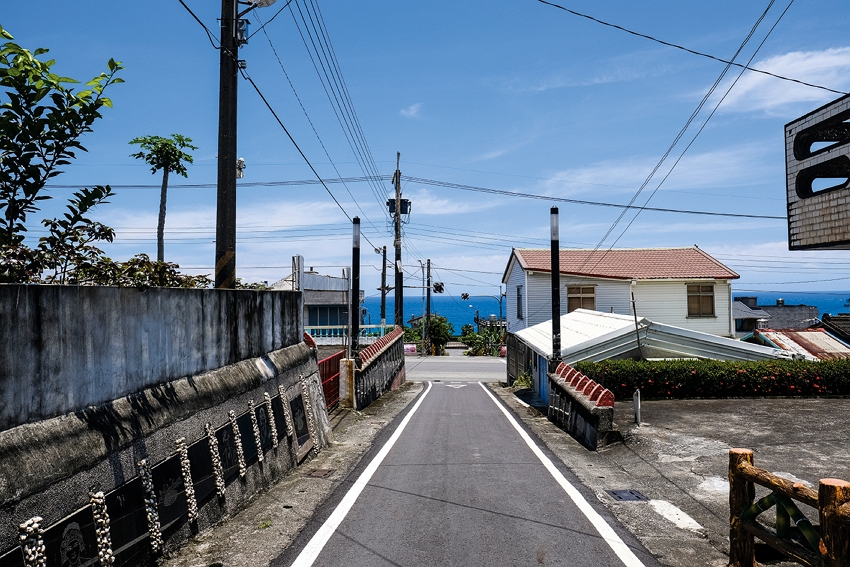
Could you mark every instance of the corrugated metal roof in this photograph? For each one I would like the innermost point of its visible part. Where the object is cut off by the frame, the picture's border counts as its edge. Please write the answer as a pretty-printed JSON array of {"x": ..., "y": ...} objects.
[
  {"x": 592, "y": 335},
  {"x": 814, "y": 344},
  {"x": 637, "y": 263}
]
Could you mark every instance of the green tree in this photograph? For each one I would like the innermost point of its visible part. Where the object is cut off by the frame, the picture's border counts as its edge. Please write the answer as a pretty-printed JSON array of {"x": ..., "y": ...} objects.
[
  {"x": 440, "y": 332},
  {"x": 41, "y": 123},
  {"x": 166, "y": 154}
]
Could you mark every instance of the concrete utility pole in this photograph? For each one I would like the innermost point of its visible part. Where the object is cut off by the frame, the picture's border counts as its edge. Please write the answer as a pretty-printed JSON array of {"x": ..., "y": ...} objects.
[
  {"x": 399, "y": 273},
  {"x": 225, "y": 222},
  {"x": 355, "y": 288},
  {"x": 384, "y": 290},
  {"x": 428, "y": 312},
  {"x": 556, "y": 290}
]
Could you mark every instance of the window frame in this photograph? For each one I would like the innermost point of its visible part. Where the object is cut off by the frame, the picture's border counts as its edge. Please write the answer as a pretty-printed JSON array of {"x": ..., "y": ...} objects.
[
  {"x": 582, "y": 295},
  {"x": 700, "y": 294},
  {"x": 519, "y": 313}
]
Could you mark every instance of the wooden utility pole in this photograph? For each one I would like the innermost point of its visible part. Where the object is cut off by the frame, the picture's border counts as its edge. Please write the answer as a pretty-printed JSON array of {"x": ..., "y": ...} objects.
[
  {"x": 399, "y": 273},
  {"x": 225, "y": 222}
]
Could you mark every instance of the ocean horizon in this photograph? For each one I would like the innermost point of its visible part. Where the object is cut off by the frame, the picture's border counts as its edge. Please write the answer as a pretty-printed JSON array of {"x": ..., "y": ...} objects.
[{"x": 460, "y": 312}]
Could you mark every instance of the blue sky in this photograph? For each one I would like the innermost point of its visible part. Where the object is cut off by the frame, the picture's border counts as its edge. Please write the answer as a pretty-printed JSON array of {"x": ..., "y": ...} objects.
[{"x": 508, "y": 95}]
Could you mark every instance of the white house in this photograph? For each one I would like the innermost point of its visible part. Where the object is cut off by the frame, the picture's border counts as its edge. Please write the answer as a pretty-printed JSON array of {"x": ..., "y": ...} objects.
[{"x": 684, "y": 287}]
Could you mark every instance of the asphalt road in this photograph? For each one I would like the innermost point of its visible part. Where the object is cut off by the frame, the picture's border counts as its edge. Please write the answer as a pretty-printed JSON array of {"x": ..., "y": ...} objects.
[
  {"x": 456, "y": 481},
  {"x": 456, "y": 368}
]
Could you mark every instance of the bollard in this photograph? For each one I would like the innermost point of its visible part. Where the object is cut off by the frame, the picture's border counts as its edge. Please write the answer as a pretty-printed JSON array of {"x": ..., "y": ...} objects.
[{"x": 636, "y": 401}]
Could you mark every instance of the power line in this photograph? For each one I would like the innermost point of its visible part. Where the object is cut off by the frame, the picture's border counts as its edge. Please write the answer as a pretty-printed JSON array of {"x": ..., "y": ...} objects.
[
  {"x": 340, "y": 110},
  {"x": 203, "y": 25},
  {"x": 294, "y": 143},
  {"x": 694, "y": 52},
  {"x": 676, "y": 140},
  {"x": 580, "y": 201},
  {"x": 263, "y": 27},
  {"x": 735, "y": 82},
  {"x": 304, "y": 110}
]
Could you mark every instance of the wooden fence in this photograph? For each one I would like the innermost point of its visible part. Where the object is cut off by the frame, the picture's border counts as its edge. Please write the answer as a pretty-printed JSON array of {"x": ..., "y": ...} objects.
[
  {"x": 824, "y": 545},
  {"x": 329, "y": 371}
]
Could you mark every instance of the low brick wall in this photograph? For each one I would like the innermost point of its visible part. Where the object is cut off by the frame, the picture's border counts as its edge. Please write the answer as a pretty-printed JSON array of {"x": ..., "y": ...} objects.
[
  {"x": 581, "y": 407},
  {"x": 162, "y": 463},
  {"x": 379, "y": 368}
]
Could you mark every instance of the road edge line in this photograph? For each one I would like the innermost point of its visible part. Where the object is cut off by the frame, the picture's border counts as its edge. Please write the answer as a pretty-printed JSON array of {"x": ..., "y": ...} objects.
[
  {"x": 317, "y": 543},
  {"x": 625, "y": 554}
]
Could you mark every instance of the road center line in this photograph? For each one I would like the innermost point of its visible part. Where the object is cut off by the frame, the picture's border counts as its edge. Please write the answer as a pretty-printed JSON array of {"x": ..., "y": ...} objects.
[
  {"x": 314, "y": 547},
  {"x": 625, "y": 554}
]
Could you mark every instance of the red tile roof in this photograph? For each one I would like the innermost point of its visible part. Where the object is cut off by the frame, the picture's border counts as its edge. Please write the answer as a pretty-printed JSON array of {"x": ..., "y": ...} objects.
[{"x": 627, "y": 264}]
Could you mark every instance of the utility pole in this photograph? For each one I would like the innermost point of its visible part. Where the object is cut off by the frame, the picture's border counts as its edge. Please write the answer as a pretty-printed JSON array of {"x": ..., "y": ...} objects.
[
  {"x": 384, "y": 291},
  {"x": 399, "y": 274},
  {"x": 225, "y": 222},
  {"x": 428, "y": 312},
  {"x": 354, "y": 306},
  {"x": 556, "y": 289}
]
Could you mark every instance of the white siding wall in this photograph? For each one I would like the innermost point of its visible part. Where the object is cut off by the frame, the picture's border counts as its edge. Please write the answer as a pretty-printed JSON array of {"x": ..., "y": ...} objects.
[
  {"x": 516, "y": 278},
  {"x": 609, "y": 294},
  {"x": 667, "y": 302}
]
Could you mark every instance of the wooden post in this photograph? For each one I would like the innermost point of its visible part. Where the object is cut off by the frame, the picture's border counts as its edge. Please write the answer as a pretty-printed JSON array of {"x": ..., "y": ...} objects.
[
  {"x": 741, "y": 496},
  {"x": 835, "y": 535}
]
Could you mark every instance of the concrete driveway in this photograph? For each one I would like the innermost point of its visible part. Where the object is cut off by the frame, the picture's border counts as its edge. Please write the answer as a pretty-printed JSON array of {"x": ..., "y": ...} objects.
[{"x": 679, "y": 457}]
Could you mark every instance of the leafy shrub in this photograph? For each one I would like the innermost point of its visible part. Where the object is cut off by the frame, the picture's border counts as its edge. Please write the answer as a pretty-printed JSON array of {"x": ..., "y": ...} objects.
[{"x": 680, "y": 379}]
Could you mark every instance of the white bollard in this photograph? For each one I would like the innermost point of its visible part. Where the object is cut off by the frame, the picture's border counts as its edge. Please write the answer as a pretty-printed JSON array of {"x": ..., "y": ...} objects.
[{"x": 636, "y": 401}]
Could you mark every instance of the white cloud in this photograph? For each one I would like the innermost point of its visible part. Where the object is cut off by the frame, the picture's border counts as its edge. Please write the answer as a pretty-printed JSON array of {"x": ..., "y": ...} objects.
[
  {"x": 411, "y": 111},
  {"x": 759, "y": 92},
  {"x": 426, "y": 203},
  {"x": 734, "y": 166}
]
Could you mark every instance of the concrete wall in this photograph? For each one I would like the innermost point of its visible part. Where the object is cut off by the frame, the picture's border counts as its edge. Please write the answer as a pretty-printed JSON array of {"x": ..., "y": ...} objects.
[
  {"x": 48, "y": 468},
  {"x": 63, "y": 348}
]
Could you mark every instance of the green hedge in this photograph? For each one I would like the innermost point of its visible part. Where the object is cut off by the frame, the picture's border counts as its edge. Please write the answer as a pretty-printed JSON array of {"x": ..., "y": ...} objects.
[{"x": 680, "y": 379}]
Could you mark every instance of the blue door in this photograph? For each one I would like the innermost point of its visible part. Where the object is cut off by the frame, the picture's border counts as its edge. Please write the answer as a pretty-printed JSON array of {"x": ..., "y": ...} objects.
[{"x": 542, "y": 378}]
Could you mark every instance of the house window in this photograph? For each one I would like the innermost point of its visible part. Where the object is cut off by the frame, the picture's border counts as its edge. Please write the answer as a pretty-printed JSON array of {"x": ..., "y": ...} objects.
[
  {"x": 700, "y": 300},
  {"x": 519, "y": 302},
  {"x": 581, "y": 297}
]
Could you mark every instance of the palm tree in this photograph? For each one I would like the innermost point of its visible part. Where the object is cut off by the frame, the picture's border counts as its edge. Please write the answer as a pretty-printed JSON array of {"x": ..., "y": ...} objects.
[{"x": 166, "y": 154}]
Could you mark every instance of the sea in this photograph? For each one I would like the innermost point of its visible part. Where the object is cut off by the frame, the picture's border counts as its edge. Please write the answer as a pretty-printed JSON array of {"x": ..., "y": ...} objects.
[{"x": 460, "y": 312}]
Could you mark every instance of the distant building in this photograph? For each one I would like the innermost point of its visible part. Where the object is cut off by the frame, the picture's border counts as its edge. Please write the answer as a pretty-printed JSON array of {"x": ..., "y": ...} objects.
[
  {"x": 685, "y": 287},
  {"x": 784, "y": 316},
  {"x": 748, "y": 319},
  {"x": 325, "y": 297}
]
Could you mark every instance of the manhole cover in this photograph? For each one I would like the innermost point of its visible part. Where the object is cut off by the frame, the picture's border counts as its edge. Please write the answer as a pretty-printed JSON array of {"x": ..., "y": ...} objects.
[
  {"x": 321, "y": 473},
  {"x": 627, "y": 495}
]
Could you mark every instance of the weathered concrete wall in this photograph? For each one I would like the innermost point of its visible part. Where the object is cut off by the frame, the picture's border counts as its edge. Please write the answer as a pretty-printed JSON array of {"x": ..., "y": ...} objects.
[
  {"x": 63, "y": 348},
  {"x": 48, "y": 468}
]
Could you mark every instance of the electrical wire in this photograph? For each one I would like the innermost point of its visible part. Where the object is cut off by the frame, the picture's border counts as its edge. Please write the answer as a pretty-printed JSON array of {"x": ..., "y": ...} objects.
[
  {"x": 692, "y": 51},
  {"x": 340, "y": 111},
  {"x": 263, "y": 27},
  {"x": 307, "y": 116},
  {"x": 676, "y": 140},
  {"x": 581, "y": 201},
  {"x": 294, "y": 143},
  {"x": 210, "y": 35}
]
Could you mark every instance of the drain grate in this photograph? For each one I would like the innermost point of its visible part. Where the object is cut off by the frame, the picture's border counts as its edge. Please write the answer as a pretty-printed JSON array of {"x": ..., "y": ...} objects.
[
  {"x": 627, "y": 495},
  {"x": 321, "y": 473}
]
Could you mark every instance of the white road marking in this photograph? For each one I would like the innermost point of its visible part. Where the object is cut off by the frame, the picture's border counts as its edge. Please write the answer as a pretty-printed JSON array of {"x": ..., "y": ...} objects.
[
  {"x": 456, "y": 385},
  {"x": 675, "y": 515},
  {"x": 314, "y": 547},
  {"x": 625, "y": 554}
]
